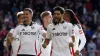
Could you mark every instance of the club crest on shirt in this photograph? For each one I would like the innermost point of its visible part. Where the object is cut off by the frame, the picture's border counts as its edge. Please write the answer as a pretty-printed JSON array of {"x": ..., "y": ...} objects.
[
  {"x": 32, "y": 27},
  {"x": 53, "y": 29}
]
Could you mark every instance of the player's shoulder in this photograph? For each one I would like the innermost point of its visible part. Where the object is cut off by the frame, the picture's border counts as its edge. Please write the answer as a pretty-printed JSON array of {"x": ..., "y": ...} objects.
[
  {"x": 78, "y": 26},
  {"x": 11, "y": 30},
  {"x": 35, "y": 24},
  {"x": 20, "y": 25},
  {"x": 51, "y": 25},
  {"x": 68, "y": 24}
]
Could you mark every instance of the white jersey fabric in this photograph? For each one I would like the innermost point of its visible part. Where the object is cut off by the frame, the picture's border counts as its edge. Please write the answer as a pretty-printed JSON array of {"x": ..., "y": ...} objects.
[
  {"x": 15, "y": 44},
  {"x": 28, "y": 36},
  {"x": 60, "y": 35},
  {"x": 79, "y": 35},
  {"x": 43, "y": 51}
]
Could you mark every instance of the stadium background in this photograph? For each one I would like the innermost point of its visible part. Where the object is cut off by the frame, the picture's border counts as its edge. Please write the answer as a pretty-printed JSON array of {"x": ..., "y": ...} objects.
[{"x": 88, "y": 12}]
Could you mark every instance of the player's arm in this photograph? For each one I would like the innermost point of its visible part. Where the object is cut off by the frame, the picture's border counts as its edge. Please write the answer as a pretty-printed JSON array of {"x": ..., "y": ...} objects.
[
  {"x": 9, "y": 39},
  {"x": 42, "y": 31},
  {"x": 48, "y": 38},
  {"x": 72, "y": 34},
  {"x": 82, "y": 39},
  {"x": 10, "y": 36},
  {"x": 5, "y": 41}
]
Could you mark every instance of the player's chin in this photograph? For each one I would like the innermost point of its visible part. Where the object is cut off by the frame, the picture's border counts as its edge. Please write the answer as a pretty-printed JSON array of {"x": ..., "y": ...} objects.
[{"x": 55, "y": 22}]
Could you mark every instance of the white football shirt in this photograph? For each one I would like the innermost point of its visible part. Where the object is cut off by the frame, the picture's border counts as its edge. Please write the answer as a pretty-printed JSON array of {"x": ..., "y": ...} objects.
[
  {"x": 28, "y": 35},
  {"x": 43, "y": 51},
  {"x": 60, "y": 35},
  {"x": 79, "y": 35},
  {"x": 15, "y": 44}
]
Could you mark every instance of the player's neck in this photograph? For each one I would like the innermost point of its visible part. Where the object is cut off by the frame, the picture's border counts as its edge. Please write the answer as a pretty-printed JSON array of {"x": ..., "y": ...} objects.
[
  {"x": 61, "y": 21},
  {"x": 20, "y": 22},
  {"x": 28, "y": 22}
]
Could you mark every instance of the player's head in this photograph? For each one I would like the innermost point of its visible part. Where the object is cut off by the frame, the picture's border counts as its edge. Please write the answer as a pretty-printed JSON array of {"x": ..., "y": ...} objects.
[
  {"x": 28, "y": 14},
  {"x": 46, "y": 17},
  {"x": 70, "y": 16},
  {"x": 57, "y": 14},
  {"x": 20, "y": 17}
]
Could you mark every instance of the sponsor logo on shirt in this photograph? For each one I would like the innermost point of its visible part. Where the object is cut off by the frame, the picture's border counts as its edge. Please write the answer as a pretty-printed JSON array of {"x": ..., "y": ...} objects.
[
  {"x": 59, "y": 34},
  {"x": 27, "y": 33}
]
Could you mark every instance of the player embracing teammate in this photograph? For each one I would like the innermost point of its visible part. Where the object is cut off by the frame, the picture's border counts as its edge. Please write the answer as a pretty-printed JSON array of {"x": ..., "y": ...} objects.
[{"x": 62, "y": 34}]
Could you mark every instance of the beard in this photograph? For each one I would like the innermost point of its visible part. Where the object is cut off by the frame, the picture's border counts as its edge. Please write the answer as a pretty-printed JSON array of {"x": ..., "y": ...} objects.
[{"x": 56, "y": 21}]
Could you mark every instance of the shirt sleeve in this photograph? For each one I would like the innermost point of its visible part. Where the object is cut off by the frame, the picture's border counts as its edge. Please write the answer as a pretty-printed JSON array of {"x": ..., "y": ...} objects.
[
  {"x": 82, "y": 38},
  {"x": 41, "y": 30},
  {"x": 11, "y": 31},
  {"x": 5, "y": 40},
  {"x": 48, "y": 36},
  {"x": 16, "y": 31}
]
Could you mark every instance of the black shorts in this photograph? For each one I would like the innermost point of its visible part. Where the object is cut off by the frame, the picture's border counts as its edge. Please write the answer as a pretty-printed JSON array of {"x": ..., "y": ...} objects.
[{"x": 25, "y": 55}]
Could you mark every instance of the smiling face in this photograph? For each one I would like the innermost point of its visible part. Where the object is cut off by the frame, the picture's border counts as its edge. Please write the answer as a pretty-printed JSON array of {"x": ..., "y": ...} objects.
[
  {"x": 57, "y": 16},
  {"x": 20, "y": 19},
  {"x": 27, "y": 15},
  {"x": 47, "y": 20}
]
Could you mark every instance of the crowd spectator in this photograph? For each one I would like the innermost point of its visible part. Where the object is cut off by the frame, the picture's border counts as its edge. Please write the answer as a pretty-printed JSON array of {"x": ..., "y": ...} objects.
[{"x": 91, "y": 48}]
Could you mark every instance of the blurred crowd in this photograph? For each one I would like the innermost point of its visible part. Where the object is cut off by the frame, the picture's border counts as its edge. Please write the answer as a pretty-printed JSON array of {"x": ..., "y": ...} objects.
[{"x": 87, "y": 11}]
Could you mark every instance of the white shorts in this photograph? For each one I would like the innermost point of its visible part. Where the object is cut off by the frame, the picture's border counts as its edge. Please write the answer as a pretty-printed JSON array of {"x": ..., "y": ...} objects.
[{"x": 59, "y": 52}]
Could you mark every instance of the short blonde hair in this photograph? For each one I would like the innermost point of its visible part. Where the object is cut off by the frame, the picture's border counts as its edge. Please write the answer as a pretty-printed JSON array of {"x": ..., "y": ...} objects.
[{"x": 45, "y": 13}]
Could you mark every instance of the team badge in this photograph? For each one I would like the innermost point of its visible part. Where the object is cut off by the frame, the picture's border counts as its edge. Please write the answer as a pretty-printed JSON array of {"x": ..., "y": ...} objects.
[
  {"x": 32, "y": 27},
  {"x": 53, "y": 29}
]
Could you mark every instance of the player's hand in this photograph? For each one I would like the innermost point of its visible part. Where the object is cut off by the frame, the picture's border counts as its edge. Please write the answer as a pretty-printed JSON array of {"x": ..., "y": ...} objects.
[
  {"x": 9, "y": 39},
  {"x": 71, "y": 44},
  {"x": 77, "y": 53},
  {"x": 44, "y": 45}
]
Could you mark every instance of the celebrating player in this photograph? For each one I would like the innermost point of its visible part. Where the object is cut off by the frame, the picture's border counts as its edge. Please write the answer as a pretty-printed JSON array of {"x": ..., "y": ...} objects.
[
  {"x": 69, "y": 16},
  {"x": 59, "y": 32},
  {"x": 28, "y": 34},
  {"x": 46, "y": 19},
  {"x": 15, "y": 43}
]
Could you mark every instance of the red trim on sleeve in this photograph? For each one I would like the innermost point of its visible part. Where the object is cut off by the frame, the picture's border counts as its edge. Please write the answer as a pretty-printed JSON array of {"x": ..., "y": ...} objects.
[
  {"x": 72, "y": 51},
  {"x": 18, "y": 48},
  {"x": 51, "y": 51},
  {"x": 35, "y": 48},
  {"x": 80, "y": 31},
  {"x": 40, "y": 52}
]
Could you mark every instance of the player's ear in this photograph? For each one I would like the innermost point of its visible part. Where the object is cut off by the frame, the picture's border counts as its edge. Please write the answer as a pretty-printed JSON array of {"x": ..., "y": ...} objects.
[{"x": 63, "y": 14}]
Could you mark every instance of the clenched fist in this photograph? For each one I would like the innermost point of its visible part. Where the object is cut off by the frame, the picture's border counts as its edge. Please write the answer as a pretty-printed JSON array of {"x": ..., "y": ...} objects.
[
  {"x": 77, "y": 53},
  {"x": 44, "y": 45},
  {"x": 71, "y": 44}
]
